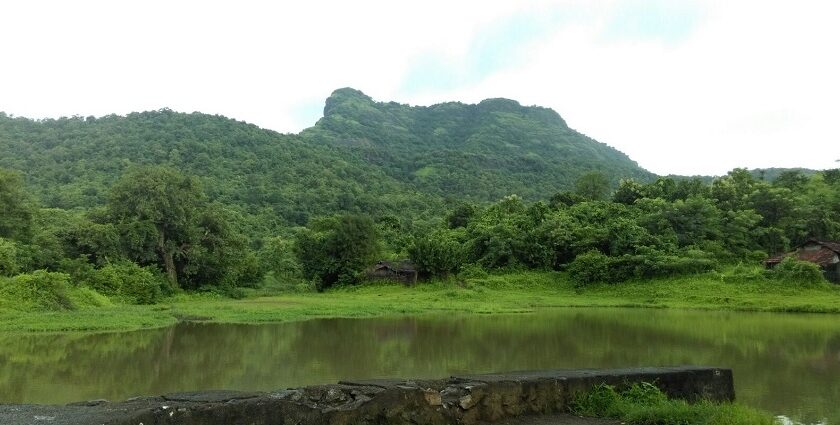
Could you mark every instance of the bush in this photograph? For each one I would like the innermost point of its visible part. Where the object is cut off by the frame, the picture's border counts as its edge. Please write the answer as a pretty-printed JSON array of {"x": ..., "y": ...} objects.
[
  {"x": 87, "y": 297},
  {"x": 338, "y": 250},
  {"x": 437, "y": 254},
  {"x": 277, "y": 256},
  {"x": 8, "y": 258},
  {"x": 593, "y": 266},
  {"x": 741, "y": 273},
  {"x": 127, "y": 280},
  {"x": 590, "y": 267},
  {"x": 472, "y": 271},
  {"x": 39, "y": 290},
  {"x": 644, "y": 403},
  {"x": 791, "y": 270}
]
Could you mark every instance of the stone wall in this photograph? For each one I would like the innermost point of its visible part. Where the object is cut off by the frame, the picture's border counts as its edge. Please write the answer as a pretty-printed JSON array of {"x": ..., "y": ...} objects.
[{"x": 470, "y": 399}]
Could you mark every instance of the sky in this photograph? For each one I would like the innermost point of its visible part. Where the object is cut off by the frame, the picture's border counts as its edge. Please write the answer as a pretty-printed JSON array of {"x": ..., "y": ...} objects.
[{"x": 683, "y": 87}]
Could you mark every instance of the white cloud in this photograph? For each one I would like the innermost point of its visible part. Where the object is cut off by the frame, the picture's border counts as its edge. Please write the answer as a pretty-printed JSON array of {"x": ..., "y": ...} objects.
[{"x": 750, "y": 84}]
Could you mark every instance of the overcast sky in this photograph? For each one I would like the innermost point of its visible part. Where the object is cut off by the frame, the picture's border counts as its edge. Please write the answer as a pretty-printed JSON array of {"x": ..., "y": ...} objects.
[{"x": 683, "y": 87}]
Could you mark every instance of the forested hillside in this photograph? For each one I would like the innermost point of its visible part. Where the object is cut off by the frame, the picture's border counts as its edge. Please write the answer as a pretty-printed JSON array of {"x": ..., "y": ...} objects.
[
  {"x": 72, "y": 163},
  {"x": 476, "y": 152},
  {"x": 134, "y": 208},
  {"x": 363, "y": 156}
]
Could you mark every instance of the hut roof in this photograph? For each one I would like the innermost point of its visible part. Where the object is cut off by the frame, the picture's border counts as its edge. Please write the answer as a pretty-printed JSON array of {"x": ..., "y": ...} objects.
[
  {"x": 398, "y": 266},
  {"x": 822, "y": 257}
]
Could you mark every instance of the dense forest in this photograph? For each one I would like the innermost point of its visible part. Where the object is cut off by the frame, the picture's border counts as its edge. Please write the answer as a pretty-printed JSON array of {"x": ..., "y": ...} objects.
[{"x": 133, "y": 208}]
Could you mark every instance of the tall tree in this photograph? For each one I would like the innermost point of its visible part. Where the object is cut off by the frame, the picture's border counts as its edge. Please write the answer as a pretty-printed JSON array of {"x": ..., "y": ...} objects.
[
  {"x": 338, "y": 249},
  {"x": 166, "y": 203}
]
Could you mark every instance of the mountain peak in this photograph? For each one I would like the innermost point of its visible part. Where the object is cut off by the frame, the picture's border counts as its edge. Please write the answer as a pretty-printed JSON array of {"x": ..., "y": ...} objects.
[{"x": 342, "y": 95}]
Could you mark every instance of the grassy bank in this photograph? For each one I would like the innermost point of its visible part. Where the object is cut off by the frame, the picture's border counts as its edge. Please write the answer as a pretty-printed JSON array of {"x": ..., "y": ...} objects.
[
  {"x": 502, "y": 293},
  {"x": 642, "y": 404}
]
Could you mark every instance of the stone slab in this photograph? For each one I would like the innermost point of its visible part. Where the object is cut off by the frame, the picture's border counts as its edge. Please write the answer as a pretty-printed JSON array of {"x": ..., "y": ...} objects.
[{"x": 464, "y": 399}]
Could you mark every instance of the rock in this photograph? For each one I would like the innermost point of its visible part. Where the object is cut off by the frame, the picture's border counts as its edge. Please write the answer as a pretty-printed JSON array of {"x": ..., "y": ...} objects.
[
  {"x": 333, "y": 395},
  {"x": 466, "y": 402},
  {"x": 433, "y": 397}
]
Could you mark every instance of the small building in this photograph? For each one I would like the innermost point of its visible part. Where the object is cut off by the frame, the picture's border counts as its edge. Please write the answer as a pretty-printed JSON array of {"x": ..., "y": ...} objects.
[
  {"x": 825, "y": 254},
  {"x": 398, "y": 271}
]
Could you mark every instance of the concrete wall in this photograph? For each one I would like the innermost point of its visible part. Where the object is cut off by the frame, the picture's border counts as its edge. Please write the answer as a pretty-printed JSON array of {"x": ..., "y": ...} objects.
[{"x": 470, "y": 399}]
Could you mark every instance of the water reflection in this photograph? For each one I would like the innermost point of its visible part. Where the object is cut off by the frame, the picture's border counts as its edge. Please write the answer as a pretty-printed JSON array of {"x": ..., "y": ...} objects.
[{"x": 788, "y": 364}]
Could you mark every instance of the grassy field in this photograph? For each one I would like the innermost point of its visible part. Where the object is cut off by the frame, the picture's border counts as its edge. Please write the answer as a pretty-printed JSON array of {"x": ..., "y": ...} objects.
[{"x": 502, "y": 293}]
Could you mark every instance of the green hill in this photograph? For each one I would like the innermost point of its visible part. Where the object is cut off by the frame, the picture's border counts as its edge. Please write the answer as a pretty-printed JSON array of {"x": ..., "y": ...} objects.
[
  {"x": 479, "y": 152},
  {"x": 362, "y": 156}
]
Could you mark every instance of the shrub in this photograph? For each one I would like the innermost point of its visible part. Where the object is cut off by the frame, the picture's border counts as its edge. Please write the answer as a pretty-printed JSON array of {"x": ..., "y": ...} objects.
[
  {"x": 8, "y": 258},
  {"x": 590, "y": 267},
  {"x": 277, "y": 256},
  {"x": 87, "y": 297},
  {"x": 644, "y": 404},
  {"x": 127, "y": 280},
  {"x": 791, "y": 270},
  {"x": 472, "y": 271},
  {"x": 39, "y": 290},
  {"x": 746, "y": 273},
  {"x": 600, "y": 401},
  {"x": 437, "y": 254},
  {"x": 338, "y": 250},
  {"x": 80, "y": 270}
]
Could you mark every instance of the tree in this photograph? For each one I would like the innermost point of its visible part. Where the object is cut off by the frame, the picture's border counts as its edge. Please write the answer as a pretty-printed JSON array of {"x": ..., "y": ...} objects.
[
  {"x": 15, "y": 207},
  {"x": 593, "y": 185},
  {"x": 628, "y": 192},
  {"x": 438, "y": 253},
  {"x": 164, "y": 203},
  {"x": 791, "y": 179},
  {"x": 337, "y": 249},
  {"x": 461, "y": 215},
  {"x": 832, "y": 176},
  {"x": 219, "y": 254},
  {"x": 8, "y": 258}
]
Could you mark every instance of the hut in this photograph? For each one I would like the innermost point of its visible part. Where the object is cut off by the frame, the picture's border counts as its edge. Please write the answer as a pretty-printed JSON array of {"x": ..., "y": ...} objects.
[
  {"x": 825, "y": 254},
  {"x": 398, "y": 271}
]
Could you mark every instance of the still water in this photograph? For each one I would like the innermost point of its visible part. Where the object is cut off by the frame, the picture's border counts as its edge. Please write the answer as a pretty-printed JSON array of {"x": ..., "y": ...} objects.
[{"x": 787, "y": 364}]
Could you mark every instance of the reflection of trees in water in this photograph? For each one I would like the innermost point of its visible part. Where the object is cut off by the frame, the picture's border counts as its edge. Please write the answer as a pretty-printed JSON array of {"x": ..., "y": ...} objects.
[{"x": 785, "y": 363}]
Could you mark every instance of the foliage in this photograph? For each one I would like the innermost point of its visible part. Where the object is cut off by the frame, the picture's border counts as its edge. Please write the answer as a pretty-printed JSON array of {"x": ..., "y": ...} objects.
[
  {"x": 593, "y": 186},
  {"x": 15, "y": 206},
  {"x": 590, "y": 267},
  {"x": 217, "y": 204},
  {"x": 644, "y": 403},
  {"x": 39, "y": 290},
  {"x": 793, "y": 271},
  {"x": 461, "y": 215},
  {"x": 127, "y": 280},
  {"x": 277, "y": 256},
  {"x": 477, "y": 152},
  {"x": 439, "y": 253},
  {"x": 166, "y": 202},
  {"x": 337, "y": 250},
  {"x": 8, "y": 258}
]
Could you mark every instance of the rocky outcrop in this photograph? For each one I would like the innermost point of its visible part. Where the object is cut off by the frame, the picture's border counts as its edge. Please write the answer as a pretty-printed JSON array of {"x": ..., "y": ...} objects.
[{"x": 470, "y": 399}]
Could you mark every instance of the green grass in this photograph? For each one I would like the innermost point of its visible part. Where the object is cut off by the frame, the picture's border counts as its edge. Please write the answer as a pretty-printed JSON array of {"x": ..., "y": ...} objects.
[
  {"x": 645, "y": 404},
  {"x": 501, "y": 293}
]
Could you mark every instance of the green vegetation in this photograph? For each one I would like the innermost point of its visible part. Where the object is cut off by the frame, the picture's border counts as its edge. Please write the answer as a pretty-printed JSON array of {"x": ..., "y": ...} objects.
[
  {"x": 162, "y": 207},
  {"x": 337, "y": 250},
  {"x": 645, "y": 404},
  {"x": 737, "y": 288}
]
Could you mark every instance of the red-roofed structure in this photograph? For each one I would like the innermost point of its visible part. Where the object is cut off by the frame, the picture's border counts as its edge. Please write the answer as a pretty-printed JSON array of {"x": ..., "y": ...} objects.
[{"x": 825, "y": 254}]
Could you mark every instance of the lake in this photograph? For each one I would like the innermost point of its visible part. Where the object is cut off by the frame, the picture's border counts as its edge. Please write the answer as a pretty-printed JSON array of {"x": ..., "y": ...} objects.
[{"x": 788, "y": 364}]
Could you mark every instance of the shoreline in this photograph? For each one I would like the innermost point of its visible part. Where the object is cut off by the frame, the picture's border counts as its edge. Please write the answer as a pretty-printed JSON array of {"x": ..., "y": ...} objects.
[{"x": 510, "y": 293}]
